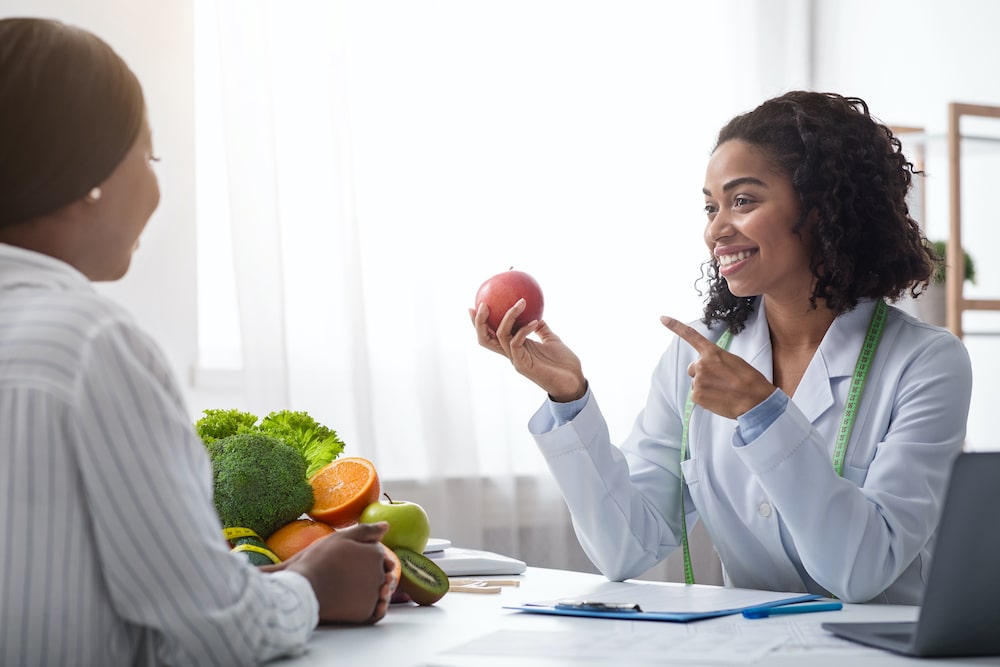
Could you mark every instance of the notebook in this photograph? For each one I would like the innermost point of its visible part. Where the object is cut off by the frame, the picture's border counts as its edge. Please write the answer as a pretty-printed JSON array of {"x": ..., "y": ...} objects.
[
  {"x": 960, "y": 613},
  {"x": 462, "y": 562}
]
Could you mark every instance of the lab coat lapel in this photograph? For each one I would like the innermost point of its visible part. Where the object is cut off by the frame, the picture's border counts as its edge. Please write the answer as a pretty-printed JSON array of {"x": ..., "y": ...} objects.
[
  {"x": 835, "y": 358},
  {"x": 814, "y": 395},
  {"x": 753, "y": 345}
]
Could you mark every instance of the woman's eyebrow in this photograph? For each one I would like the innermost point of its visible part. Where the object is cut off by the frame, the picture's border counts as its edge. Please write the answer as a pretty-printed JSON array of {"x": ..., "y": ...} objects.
[
  {"x": 745, "y": 180},
  {"x": 735, "y": 183}
]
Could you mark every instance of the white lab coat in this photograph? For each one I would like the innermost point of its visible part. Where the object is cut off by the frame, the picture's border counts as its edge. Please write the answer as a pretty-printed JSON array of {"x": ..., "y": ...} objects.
[{"x": 778, "y": 514}]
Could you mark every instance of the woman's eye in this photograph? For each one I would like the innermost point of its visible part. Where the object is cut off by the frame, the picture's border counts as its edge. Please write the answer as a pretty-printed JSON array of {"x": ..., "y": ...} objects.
[
  {"x": 740, "y": 201},
  {"x": 710, "y": 209}
]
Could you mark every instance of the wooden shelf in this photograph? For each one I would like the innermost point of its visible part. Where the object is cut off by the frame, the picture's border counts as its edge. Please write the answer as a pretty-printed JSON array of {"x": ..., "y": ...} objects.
[
  {"x": 980, "y": 304},
  {"x": 957, "y": 145},
  {"x": 956, "y": 303}
]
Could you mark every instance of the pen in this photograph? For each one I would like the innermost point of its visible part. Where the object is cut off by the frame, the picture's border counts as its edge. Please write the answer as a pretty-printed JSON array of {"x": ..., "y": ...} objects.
[
  {"x": 764, "y": 612},
  {"x": 588, "y": 605}
]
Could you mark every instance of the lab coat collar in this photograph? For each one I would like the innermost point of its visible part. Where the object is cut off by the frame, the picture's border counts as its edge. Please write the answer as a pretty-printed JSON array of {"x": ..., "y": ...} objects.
[
  {"x": 842, "y": 343},
  {"x": 754, "y": 343},
  {"x": 835, "y": 358}
]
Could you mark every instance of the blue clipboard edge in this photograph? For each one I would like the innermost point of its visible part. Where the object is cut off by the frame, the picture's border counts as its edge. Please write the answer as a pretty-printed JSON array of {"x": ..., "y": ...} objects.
[{"x": 676, "y": 617}]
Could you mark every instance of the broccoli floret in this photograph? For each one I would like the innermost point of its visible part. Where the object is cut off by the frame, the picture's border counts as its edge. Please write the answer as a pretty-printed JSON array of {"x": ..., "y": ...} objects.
[
  {"x": 317, "y": 443},
  {"x": 260, "y": 482},
  {"x": 218, "y": 424}
]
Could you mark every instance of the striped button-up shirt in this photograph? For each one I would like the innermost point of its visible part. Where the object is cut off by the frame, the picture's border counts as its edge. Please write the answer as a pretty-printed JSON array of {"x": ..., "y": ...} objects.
[{"x": 111, "y": 552}]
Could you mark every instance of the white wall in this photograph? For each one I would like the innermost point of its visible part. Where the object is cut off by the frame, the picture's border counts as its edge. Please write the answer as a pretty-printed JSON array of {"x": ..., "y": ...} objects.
[
  {"x": 156, "y": 39},
  {"x": 908, "y": 59}
]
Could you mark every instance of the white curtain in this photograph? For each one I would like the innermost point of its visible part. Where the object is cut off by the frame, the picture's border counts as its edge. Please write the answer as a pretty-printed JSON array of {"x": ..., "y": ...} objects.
[{"x": 379, "y": 160}]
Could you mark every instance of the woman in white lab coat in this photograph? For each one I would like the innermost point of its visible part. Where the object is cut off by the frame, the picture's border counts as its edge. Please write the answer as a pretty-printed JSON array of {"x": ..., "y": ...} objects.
[{"x": 803, "y": 483}]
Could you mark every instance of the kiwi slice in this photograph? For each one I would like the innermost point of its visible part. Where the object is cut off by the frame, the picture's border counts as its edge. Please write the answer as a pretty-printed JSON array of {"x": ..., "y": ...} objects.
[{"x": 422, "y": 579}]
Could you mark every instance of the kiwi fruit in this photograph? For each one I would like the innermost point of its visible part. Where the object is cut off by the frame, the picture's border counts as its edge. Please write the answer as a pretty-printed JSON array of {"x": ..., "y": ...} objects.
[{"x": 422, "y": 579}]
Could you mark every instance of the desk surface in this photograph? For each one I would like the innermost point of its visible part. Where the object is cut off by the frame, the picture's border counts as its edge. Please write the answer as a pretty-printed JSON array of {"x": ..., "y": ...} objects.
[{"x": 471, "y": 630}]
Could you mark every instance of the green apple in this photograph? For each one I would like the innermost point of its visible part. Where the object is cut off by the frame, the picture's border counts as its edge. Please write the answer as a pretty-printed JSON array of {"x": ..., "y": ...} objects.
[{"x": 409, "y": 526}]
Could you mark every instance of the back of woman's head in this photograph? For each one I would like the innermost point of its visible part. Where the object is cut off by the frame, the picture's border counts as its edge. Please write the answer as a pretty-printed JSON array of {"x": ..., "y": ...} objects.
[
  {"x": 852, "y": 181},
  {"x": 70, "y": 109}
]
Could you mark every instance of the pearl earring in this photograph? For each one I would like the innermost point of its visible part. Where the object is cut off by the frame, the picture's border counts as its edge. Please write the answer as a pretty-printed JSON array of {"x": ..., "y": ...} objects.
[{"x": 94, "y": 194}]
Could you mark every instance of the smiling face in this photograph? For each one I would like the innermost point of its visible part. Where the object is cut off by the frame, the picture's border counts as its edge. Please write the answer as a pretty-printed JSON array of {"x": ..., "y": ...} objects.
[{"x": 752, "y": 210}]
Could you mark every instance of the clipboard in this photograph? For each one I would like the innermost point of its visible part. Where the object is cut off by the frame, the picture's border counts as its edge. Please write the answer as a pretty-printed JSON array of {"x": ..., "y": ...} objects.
[{"x": 655, "y": 601}]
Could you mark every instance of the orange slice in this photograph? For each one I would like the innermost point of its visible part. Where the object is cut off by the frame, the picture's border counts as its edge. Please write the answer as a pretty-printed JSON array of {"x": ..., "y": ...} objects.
[
  {"x": 343, "y": 489},
  {"x": 295, "y": 536}
]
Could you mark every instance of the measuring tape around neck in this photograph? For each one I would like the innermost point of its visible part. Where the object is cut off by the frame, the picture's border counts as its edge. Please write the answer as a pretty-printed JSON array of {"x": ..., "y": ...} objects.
[{"x": 854, "y": 394}]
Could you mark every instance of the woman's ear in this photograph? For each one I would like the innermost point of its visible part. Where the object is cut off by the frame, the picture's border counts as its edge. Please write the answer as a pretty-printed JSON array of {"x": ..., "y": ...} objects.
[
  {"x": 812, "y": 217},
  {"x": 807, "y": 223}
]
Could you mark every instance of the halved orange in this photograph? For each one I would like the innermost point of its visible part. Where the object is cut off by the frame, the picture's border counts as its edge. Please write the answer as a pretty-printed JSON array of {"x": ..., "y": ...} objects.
[
  {"x": 343, "y": 489},
  {"x": 295, "y": 536}
]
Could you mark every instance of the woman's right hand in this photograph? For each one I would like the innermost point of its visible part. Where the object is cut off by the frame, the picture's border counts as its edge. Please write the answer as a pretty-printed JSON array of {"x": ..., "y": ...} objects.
[{"x": 547, "y": 361}]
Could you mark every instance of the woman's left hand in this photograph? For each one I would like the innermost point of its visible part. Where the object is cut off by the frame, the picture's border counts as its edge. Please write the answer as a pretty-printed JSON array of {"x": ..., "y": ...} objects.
[{"x": 720, "y": 382}]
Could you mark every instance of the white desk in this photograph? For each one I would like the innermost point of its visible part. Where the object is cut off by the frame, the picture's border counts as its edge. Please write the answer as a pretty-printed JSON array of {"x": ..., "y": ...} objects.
[{"x": 412, "y": 635}]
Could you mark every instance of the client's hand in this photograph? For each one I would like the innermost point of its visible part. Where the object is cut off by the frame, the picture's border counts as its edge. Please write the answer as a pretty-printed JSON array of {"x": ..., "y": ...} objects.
[{"x": 349, "y": 572}]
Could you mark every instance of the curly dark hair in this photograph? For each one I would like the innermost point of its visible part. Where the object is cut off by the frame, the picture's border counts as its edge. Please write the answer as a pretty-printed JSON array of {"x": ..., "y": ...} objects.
[{"x": 848, "y": 168}]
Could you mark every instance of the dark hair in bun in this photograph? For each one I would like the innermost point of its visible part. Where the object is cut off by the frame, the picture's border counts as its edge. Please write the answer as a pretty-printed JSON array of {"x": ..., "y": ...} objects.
[{"x": 70, "y": 109}]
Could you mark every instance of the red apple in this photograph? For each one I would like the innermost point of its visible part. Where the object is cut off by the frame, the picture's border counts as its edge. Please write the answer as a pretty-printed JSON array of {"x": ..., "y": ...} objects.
[{"x": 503, "y": 290}]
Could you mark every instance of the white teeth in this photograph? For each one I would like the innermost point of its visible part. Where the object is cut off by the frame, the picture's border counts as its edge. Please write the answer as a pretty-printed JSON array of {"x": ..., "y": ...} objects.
[{"x": 726, "y": 260}]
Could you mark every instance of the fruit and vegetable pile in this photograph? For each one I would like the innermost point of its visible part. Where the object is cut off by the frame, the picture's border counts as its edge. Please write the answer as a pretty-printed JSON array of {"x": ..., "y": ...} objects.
[{"x": 280, "y": 484}]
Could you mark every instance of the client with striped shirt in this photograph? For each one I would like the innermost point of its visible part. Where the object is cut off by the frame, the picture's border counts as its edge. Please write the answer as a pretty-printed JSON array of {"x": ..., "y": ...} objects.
[{"x": 110, "y": 547}]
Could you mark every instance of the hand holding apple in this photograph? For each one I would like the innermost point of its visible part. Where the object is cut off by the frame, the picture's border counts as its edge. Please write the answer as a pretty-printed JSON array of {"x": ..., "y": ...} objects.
[
  {"x": 545, "y": 359},
  {"x": 503, "y": 290},
  {"x": 409, "y": 526}
]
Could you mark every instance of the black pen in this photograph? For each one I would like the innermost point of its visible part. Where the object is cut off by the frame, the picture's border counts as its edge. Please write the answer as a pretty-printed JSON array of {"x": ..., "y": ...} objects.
[{"x": 590, "y": 605}]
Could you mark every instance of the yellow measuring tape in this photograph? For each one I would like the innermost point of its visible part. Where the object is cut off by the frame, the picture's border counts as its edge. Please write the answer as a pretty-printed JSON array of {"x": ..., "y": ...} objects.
[
  {"x": 237, "y": 532},
  {"x": 234, "y": 533}
]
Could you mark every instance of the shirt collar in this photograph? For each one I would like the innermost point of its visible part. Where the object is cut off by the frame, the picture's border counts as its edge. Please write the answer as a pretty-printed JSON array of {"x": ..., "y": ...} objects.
[
  {"x": 835, "y": 358},
  {"x": 20, "y": 268}
]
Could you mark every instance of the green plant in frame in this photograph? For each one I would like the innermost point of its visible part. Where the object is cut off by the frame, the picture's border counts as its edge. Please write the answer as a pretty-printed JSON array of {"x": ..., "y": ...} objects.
[{"x": 938, "y": 277}]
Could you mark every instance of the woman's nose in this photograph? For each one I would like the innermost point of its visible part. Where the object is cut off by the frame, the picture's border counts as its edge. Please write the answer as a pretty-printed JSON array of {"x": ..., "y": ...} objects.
[{"x": 719, "y": 227}]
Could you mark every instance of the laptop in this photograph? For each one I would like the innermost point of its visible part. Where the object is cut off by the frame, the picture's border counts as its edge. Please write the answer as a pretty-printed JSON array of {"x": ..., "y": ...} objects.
[{"x": 960, "y": 613}]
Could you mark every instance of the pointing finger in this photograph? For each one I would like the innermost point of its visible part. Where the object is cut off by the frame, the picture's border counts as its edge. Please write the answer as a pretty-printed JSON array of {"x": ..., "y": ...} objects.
[{"x": 689, "y": 334}]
